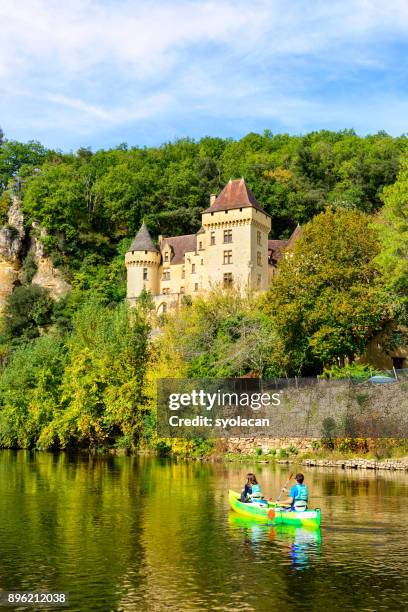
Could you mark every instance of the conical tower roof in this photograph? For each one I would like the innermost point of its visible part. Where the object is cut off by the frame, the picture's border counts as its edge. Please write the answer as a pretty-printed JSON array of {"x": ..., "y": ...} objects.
[{"x": 143, "y": 241}]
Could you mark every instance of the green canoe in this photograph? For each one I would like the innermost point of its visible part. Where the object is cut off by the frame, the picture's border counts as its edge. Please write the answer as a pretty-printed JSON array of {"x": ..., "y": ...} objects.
[{"x": 273, "y": 514}]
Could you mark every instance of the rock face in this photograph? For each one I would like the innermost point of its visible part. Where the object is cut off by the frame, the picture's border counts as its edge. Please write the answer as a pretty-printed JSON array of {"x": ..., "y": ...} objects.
[
  {"x": 11, "y": 247},
  {"x": 47, "y": 275}
]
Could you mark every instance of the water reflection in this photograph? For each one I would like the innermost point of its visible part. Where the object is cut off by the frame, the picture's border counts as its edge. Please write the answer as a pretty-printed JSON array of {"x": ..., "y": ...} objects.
[{"x": 300, "y": 544}]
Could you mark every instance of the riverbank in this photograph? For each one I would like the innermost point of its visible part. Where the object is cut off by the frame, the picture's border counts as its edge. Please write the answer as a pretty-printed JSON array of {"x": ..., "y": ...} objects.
[{"x": 354, "y": 463}]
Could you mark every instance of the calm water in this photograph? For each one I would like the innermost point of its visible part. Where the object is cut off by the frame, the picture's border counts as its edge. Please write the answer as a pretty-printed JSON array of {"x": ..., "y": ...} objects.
[{"x": 144, "y": 534}]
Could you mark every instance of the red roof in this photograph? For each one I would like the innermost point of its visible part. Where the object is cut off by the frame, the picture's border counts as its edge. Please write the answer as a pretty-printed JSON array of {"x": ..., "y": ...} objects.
[
  {"x": 277, "y": 247},
  {"x": 236, "y": 194},
  {"x": 180, "y": 245}
]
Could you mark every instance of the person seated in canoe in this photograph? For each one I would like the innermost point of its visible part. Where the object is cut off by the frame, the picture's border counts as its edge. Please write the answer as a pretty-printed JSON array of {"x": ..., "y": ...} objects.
[
  {"x": 252, "y": 490},
  {"x": 298, "y": 496}
]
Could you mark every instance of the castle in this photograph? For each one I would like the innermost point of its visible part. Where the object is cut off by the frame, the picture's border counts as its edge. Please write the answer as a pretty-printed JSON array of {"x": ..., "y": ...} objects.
[{"x": 231, "y": 248}]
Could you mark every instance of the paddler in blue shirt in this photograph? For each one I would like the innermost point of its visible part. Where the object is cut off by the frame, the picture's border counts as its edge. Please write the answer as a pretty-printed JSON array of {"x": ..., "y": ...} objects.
[{"x": 298, "y": 495}]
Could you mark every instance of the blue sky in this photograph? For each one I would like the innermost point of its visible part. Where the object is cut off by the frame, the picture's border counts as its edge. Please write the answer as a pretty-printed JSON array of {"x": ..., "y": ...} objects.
[{"x": 98, "y": 73}]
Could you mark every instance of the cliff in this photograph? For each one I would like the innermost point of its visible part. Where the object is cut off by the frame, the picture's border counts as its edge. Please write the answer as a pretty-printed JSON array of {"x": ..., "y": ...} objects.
[{"x": 16, "y": 243}]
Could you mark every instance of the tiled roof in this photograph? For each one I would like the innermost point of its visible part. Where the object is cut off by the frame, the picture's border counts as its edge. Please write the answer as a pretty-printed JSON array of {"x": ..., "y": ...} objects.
[
  {"x": 236, "y": 194},
  {"x": 295, "y": 235},
  {"x": 180, "y": 245},
  {"x": 277, "y": 247},
  {"x": 142, "y": 241}
]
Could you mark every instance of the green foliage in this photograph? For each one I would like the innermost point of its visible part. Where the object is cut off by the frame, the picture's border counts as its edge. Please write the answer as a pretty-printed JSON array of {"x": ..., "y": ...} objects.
[
  {"x": 30, "y": 391},
  {"x": 84, "y": 389},
  {"x": 5, "y": 203},
  {"x": 356, "y": 371},
  {"x": 101, "y": 389},
  {"x": 393, "y": 232},
  {"x": 19, "y": 157},
  {"x": 28, "y": 269},
  {"x": 27, "y": 311},
  {"x": 223, "y": 334},
  {"x": 327, "y": 302}
]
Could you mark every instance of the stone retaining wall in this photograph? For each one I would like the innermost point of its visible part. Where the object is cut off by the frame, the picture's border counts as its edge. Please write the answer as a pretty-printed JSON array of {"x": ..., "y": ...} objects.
[{"x": 368, "y": 464}]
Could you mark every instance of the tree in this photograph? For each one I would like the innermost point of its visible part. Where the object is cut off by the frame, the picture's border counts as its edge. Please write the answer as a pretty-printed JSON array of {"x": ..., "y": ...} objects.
[
  {"x": 327, "y": 301},
  {"x": 393, "y": 232},
  {"x": 16, "y": 155},
  {"x": 27, "y": 310},
  {"x": 101, "y": 397}
]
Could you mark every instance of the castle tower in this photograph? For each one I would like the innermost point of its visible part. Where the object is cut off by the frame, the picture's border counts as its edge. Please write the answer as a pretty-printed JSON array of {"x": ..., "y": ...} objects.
[
  {"x": 237, "y": 231},
  {"x": 142, "y": 262}
]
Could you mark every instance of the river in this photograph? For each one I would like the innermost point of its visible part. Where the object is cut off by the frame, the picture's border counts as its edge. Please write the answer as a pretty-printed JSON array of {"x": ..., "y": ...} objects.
[{"x": 138, "y": 533}]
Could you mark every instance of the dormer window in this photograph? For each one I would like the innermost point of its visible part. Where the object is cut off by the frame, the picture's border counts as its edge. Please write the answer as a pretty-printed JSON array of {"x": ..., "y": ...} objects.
[{"x": 166, "y": 256}]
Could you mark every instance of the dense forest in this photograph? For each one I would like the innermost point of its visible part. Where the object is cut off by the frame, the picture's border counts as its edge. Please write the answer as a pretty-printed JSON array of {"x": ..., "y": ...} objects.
[{"x": 81, "y": 370}]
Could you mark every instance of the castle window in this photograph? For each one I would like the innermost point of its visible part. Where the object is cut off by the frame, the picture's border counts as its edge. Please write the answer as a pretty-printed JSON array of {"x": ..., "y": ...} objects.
[
  {"x": 195, "y": 286},
  {"x": 200, "y": 245},
  {"x": 166, "y": 275},
  {"x": 181, "y": 289},
  {"x": 202, "y": 262},
  {"x": 183, "y": 272},
  {"x": 259, "y": 280},
  {"x": 227, "y": 236},
  {"x": 259, "y": 258},
  {"x": 166, "y": 291},
  {"x": 144, "y": 273},
  {"x": 212, "y": 238},
  {"x": 192, "y": 268},
  {"x": 258, "y": 238},
  {"x": 228, "y": 279},
  {"x": 166, "y": 256},
  {"x": 227, "y": 257}
]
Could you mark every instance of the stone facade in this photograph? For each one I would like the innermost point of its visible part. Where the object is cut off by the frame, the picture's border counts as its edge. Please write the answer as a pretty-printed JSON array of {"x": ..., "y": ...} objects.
[{"x": 231, "y": 248}]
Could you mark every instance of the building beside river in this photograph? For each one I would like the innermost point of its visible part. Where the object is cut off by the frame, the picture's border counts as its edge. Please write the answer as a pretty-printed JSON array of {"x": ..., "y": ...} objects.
[{"x": 231, "y": 248}]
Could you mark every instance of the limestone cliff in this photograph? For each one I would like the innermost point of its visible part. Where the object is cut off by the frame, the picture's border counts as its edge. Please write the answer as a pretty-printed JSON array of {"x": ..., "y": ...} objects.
[
  {"x": 11, "y": 249},
  {"x": 15, "y": 244},
  {"x": 47, "y": 275}
]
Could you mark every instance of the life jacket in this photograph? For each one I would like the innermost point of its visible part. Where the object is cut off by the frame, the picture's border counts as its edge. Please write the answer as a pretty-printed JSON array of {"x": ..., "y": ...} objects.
[
  {"x": 301, "y": 498},
  {"x": 256, "y": 491}
]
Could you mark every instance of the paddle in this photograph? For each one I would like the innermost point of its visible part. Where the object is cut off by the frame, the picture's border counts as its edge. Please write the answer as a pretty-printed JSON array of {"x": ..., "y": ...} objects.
[
  {"x": 284, "y": 486},
  {"x": 271, "y": 512}
]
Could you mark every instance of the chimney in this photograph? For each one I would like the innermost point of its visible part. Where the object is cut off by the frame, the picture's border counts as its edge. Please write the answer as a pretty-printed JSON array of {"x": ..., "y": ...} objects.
[{"x": 213, "y": 197}]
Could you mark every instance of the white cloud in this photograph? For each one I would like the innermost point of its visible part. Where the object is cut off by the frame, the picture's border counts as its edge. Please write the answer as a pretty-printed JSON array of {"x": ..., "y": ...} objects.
[{"x": 127, "y": 61}]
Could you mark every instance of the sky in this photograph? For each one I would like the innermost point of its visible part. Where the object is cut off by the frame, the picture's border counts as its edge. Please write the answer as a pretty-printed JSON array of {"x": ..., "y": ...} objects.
[{"x": 99, "y": 73}]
